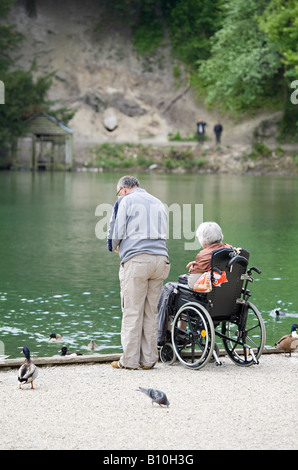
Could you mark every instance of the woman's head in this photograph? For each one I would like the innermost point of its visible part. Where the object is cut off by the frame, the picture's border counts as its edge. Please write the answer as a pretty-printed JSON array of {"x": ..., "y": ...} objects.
[{"x": 209, "y": 233}]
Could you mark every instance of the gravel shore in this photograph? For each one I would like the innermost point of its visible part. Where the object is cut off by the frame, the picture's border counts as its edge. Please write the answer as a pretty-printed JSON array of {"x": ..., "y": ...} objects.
[{"x": 93, "y": 406}]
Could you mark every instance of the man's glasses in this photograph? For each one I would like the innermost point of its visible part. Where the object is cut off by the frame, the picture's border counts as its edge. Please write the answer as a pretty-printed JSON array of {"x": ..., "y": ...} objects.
[{"x": 117, "y": 194}]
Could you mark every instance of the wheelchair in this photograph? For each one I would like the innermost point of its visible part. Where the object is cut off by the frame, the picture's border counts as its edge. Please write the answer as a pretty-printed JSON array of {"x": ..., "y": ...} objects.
[{"x": 225, "y": 312}]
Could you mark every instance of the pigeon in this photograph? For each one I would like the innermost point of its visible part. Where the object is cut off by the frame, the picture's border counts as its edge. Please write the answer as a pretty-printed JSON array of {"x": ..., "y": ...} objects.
[{"x": 156, "y": 396}]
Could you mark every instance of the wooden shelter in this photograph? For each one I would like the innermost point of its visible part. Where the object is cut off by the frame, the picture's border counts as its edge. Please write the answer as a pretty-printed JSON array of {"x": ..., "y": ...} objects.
[{"x": 46, "y": 144}]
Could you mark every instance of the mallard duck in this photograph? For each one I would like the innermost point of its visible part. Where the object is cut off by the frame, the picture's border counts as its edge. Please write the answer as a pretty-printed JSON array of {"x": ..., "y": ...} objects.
[
  {"x": 28, "y": 371},
  {"x": 276, "y": 312},
  {"x": 288, "y": 342},
  {"x": 64, "y": 352},
  {"x": 92, "y": 345},
  {"x": 55, "y": 337}
]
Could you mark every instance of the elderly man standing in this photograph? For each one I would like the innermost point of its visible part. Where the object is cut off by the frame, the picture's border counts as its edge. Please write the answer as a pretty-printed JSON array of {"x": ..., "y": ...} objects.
[{"x": 138, "y": 229}]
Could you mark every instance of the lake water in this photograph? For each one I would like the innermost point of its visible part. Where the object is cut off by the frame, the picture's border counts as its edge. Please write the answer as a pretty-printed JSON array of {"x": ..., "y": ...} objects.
[{"x": 56, "y": 275}]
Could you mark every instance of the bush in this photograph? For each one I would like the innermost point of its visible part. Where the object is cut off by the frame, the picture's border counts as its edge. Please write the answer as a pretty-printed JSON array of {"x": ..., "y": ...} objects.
[{"x": 260, "y": 150}]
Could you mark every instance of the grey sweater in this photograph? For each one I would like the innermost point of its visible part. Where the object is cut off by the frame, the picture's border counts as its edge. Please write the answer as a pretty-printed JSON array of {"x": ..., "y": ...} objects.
[{"x": 138, "y": 225}]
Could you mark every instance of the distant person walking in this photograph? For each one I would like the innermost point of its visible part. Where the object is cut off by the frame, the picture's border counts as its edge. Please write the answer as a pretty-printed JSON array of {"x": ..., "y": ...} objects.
[
  {"x": 138, "y": 228},
  {"x": 218, "y": 130},
  {"x": 201, "y": 130}
]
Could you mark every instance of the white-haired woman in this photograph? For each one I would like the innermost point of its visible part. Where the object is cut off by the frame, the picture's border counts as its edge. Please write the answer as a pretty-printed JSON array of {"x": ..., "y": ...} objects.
[{"x": 210, "y": 238}]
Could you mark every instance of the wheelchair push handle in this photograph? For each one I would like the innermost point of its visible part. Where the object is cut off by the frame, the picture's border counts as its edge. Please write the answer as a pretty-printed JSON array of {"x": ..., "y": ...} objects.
[
  {"x": 237, "y": 259},
  {"x": 253, "y": 268}
]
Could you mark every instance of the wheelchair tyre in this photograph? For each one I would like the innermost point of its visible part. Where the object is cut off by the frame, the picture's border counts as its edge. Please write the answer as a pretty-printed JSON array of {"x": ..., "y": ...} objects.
[
  {"x": 193, "y": 335},
  {"x": 255, "y": 339},
  {"x": 167, "y": 354}
]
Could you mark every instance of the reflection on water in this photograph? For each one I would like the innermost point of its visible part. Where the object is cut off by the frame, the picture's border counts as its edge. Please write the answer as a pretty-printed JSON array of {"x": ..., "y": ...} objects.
[
  {"x": 78, "y": 318},
  {"x": 56, "y": 276}
]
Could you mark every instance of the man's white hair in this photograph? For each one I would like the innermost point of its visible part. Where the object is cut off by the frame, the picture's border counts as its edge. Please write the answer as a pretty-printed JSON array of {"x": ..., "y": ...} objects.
[{"x": 128, "y": 182}]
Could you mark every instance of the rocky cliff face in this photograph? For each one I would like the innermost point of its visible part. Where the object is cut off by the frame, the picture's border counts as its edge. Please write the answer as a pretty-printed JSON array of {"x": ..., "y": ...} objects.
[{"x": 118, "y": 95}]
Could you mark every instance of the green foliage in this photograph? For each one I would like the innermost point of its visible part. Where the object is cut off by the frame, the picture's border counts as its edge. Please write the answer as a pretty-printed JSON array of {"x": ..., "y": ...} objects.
[
  {"x": 177, "y": 137},
  {"x": 280, "y": 23},
  {"x": 259, "y": 150},
  {"x": 119, "y": 156},
  {"x": 31, "y": 8},
  {"x": 244, "y": 63},
  {"x": 295, "y": 159},
  {"x": 23, "y": 97},
  {"x": 288, "y": 126},
  {"x": 9, "y": 37},
  {"x": 185, "y": 159},
  {"x": 113, "y": 156},
  {"x": 24, "y": 94},
  {"x": 148, "y": 33},
  {"x": 279, "y": 151},
  {"x": 239, "y": 54},
  {"x": 191, "y": 24}
]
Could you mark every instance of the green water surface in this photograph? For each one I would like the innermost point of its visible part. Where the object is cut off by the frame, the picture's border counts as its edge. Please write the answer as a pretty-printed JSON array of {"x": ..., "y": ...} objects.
[{"x": 57, "y": 276}]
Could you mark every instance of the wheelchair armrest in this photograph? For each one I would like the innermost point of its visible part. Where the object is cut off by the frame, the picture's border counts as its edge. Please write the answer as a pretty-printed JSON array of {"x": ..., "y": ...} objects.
[{"x": 185, "y": 287}]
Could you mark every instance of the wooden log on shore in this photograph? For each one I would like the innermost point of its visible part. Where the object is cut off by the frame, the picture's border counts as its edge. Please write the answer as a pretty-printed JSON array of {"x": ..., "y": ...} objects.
[
  {"x": 61, "y": 360},
  {"x": 88, "y": 359}
]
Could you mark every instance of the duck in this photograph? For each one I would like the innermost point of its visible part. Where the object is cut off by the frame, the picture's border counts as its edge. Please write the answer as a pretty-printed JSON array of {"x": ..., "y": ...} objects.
[
  {"x": 55, "y": 337},
  {"x": 289, "y": 343},
  {"x": 64, "y": 352},
  {"x": 92, "y": 345},
  {"x": 276, "y": 312},
  {"x": 28, "y": 371}
]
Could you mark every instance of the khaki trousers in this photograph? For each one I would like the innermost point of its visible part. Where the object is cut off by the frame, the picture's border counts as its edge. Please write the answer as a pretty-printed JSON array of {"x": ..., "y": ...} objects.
[{"x": 141, "y": 280}]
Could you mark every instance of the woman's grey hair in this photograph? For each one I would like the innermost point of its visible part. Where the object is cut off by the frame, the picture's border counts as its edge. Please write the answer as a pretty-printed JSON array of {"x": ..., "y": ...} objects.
[
  {"x": 209, "y": 233},
  {"x": 128, "y": 182}
]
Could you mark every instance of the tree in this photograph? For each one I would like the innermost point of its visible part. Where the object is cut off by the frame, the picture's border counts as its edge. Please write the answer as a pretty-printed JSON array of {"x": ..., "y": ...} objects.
[
  {"x": 24, "y": 94},
  {"x": 244, "y": 63},
  {"x": 9, "y": 37},
  {"x": 280, "y": 22},
  {"x": 191, "y": 24}
]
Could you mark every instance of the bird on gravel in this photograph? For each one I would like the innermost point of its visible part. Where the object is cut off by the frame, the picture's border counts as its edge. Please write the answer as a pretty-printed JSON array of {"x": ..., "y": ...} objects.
[
  {"x": 28, "y": 371},
  {"x": 157, "y": 396}
]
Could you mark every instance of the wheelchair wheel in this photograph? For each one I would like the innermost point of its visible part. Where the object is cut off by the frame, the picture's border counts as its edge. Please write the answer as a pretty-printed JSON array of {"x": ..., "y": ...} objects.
[
  {"x": 245, "y": 350},
  {"x": 167, "y": 354},
  {"x": 193, "y": 335}
]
